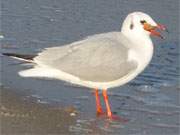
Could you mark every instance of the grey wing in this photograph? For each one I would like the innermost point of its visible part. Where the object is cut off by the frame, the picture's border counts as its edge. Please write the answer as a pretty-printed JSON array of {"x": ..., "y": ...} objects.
[{"x": 100, "y": 60}]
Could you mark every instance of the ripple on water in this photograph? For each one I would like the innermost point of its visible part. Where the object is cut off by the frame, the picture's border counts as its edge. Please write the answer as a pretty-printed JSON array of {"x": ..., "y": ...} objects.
[{"x": 147, "y": 89}]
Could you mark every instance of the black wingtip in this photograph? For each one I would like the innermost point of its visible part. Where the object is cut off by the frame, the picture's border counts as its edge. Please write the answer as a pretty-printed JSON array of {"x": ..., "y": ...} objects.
[{"x": 22, "y": 56}]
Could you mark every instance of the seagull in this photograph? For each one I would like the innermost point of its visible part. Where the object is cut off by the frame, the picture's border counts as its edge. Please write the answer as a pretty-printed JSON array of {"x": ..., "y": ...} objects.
[{"x": 101, "y": 61}]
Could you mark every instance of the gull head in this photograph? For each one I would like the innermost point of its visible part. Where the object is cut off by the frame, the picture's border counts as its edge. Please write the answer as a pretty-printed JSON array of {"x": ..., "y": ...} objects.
[{"x": 141, "y": 24}]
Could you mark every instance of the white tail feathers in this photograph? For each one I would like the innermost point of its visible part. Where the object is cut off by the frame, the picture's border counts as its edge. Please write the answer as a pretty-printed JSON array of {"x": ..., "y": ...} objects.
[
  {"x": 47, "y": 72},
  {"x": 39, "y": 72}
]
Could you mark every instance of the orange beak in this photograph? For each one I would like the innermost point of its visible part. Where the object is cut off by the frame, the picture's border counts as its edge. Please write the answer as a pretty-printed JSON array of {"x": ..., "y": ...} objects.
[{"x": 153, "y": 29}]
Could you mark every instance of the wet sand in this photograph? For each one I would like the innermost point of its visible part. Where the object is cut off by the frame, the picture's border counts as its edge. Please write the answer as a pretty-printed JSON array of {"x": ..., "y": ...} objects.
[{"x": 22, "y": 116}]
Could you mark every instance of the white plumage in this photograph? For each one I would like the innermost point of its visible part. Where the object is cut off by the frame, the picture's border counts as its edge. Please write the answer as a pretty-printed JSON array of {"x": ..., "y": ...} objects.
[{"x": 100, "y": 61}]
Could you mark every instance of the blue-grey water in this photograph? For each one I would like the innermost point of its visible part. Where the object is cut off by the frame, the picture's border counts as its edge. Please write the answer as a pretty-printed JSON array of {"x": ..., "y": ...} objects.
[{"x": 150, "y": 102}]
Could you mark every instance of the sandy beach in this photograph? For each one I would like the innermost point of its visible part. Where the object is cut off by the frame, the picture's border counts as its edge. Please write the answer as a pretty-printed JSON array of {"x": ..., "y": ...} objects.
[{"x": 27, "y": 116}]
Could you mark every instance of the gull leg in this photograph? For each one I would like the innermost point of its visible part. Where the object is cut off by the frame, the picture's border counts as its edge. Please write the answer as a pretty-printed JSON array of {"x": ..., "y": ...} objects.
[
  {"x": 109, "y": 113},
  {"x": 98, "y": 104}
]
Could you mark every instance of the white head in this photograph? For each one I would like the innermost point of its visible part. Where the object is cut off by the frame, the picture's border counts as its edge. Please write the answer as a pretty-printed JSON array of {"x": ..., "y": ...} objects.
[{"x": 140, "y": 24}]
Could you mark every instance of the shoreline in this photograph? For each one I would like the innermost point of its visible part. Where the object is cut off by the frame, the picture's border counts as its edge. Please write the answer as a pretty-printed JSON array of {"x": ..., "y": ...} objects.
[{"x": 20, "y": 116}]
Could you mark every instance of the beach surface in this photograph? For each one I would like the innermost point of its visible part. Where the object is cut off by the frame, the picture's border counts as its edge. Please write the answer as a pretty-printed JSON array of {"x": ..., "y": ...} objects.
[{"x": 21, "y": 114}]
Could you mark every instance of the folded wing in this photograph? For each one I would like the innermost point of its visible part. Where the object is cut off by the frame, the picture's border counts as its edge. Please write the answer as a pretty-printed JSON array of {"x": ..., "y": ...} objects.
[{"x": 99, "y": 58}]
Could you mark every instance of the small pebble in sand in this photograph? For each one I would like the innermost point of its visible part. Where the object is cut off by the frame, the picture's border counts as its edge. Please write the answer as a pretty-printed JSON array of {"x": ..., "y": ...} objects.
[
  {"x": 72, "y": 114},
  {"x": 7, "y": 114}
]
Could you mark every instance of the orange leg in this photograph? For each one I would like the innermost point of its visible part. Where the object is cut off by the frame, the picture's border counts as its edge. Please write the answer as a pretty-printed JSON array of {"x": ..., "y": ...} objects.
[
  {"x": 98, "y": 104},
  {"x": 109, "y": 113}
]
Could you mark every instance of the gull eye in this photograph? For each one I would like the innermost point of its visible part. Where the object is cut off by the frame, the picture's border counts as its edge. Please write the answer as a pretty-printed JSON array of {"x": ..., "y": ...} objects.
[
  {"x": 131, "y": 26},
  {"x": 142, "y": 21}
]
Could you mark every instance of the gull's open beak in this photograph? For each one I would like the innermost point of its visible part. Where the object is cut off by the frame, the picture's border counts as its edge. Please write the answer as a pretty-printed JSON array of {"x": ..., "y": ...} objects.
[{"x": 153, "y": 29}]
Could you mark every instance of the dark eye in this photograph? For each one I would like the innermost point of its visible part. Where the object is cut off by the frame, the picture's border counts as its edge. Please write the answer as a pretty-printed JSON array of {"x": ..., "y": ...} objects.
[
  {"x": 143, "y": 21},
  {"x": 131, "y": 26}
]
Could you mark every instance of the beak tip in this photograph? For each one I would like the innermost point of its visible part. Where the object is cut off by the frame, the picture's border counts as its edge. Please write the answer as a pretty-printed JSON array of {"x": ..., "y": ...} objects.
[{"x": 162, "y": 27}]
